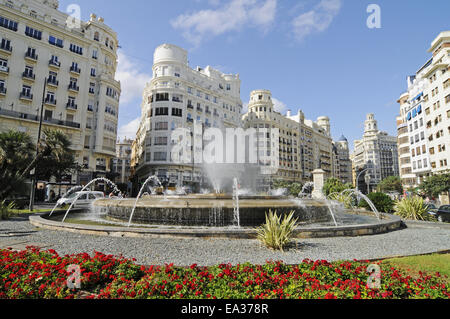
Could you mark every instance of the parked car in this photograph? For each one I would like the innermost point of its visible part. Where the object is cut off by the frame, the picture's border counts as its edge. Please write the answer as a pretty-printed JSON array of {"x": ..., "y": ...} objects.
[
  {"x": 431, "y": 209},
  {"x": 443, "y": 214},
  {"x": 84, "y": 198}
]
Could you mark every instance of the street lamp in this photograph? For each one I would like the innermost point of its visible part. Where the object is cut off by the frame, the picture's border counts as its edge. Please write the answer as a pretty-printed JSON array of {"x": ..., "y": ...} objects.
[
  {"x": 33, "y": 172},
  {"x": 359, "y": 175}
]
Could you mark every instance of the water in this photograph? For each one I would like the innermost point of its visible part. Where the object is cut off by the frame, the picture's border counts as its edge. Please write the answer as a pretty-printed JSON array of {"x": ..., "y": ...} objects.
[
  {"x": 151, "y": 178},
  {"x": 360, "y": 196},
  {"x": 66, "y": 194},
  {"x": 236, "y": 215},
  {"x": 306, "y": 190},
  {"x": 110, "y": 183}
]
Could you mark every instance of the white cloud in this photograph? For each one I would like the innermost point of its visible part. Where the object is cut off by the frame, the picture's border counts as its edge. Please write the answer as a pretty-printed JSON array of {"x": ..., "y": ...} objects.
[
  {"x": 316, "y": 20},
  {"x": 129, "y": 130},
  {"x": 232, "y": 16},
  {"x": 131, "y": 77},
  {"x": 279, "y": 106}
]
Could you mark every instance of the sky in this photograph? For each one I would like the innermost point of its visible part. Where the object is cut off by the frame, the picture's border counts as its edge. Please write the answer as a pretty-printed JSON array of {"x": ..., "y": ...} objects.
[{"x": 319, "y": 56}]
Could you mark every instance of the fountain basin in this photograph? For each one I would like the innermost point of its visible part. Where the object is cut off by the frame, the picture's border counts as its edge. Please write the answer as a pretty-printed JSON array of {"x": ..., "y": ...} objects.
[
  {"x": 387, "y": 224},
  {"x": 212, "y": 210}
]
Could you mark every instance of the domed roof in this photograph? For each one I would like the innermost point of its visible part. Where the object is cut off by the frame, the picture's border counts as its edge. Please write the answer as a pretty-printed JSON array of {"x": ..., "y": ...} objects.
[{"x": 343, "y": 139}]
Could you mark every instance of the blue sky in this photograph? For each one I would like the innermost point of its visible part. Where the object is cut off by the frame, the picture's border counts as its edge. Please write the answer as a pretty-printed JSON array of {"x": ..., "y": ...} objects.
[{"x": 314, "y": 55}]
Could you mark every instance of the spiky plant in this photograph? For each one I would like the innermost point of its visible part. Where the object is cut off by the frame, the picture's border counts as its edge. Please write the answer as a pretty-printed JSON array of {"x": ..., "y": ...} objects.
[
  {"x": 277, "y": 233},
  {"x": 5, "y": 210},
  {"x": 412, "y": 208}
]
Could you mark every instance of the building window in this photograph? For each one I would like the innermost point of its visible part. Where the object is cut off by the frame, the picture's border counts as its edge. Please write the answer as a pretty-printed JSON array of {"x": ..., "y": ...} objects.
[
  {"x": 33, "y": 33},
  {"x": 55, "y": 41},
  {"x": 161, "y": 126},
  {"x": 76, "y": 49},
  {"x": 161, "y": 111},
  {"x": 8, "y": 24},
  {"x": 160, "y": 156}
]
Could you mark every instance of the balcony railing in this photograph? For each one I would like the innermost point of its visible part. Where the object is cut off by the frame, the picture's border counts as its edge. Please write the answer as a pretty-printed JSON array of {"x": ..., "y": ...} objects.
[
  {"x": 50, "y": 101},
  {"x": 74, "y": 87},
  {"x": 75, "y": 69},
  {"x": 72, "y": 106},
  {"x": 35, "y": 118},
  {"x": 6, "y": 47},
  {"x": 28, "y": 75},
  {"x": 26, "y": 96},
  {"x": 53, "y": 82},
  {"x": 54, "y": 63},
  {"x": 4, "y": 69},
  {"x": 30, "y": 55}
]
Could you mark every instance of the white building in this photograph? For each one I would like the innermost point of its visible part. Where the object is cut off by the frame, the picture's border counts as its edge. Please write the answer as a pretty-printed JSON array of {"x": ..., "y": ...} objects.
[
  {"x": 426, "y": 112},
  {"x": 303, "y": 144},
  {"x": 377, "y": 152},
  {"x": 177, "y": 97},
  {"x": 38, "y": 42},
  {"x": 122, "y": 162}
]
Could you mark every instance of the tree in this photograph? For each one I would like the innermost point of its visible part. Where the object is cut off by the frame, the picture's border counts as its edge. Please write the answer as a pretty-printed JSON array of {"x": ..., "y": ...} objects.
[
  {"x": 17, "y": 160},
  {"x": 436, "y": 185},
  {"x": 16, "y": 154},
  {"x": 333, "y": 185},
  {"x": 57, "y": 159},
  {"x": 391, "y": 184}
]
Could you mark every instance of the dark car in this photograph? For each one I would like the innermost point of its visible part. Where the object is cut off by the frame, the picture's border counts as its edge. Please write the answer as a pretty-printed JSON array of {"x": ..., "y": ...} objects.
[{"x": 443, "y": 213}]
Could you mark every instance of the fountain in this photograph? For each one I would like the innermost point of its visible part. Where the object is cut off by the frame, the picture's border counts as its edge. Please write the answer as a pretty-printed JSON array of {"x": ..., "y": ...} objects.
[
  {"x": 115, "y": 190},
  {"x": 151, "y": 178},
  {"x": 236, "y": 219},
  {"x": 69, "y": 192},
  {"x": 233, "y": 215}
]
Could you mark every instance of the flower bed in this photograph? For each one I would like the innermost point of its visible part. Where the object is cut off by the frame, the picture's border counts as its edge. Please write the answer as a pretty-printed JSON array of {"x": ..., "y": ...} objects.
[{"x": 33, "y": 273}]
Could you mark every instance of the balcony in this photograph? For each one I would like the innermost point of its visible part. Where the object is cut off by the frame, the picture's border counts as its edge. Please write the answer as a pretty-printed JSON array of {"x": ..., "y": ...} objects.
[
  {"x": 55, "y": 64},
  {"x": 50, "y": 101},
  {"x": 190, "y": 106},
  {"x": 26, "y": 96},
  {"x": 28, "y": 76},
  {"x": 71, "y": 106},
  {"x": 199, "y": 109},
  {"x": 4, "y": 69},
  {"x": 52, "y": 82},
  {"x": 35, "y": 118},
  {"x": 75, "y": 70},
  {"x": 73, "y": 87},
  {"x": 31, "y": 56},
  {"x": 6, "y": 48}
]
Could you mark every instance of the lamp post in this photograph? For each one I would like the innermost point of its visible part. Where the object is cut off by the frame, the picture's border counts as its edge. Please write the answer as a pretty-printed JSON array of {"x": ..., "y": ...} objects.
[
  {"x": 33, "y": 172},
  {"x": 359, "y": 175}
]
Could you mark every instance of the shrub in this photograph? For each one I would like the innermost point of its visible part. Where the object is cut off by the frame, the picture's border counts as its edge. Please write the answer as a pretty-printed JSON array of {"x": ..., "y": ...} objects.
[
  {"x": 333, "y": 185},
  {"x": 277, "y": 233},
  {"x": 348, "y": 199},
  {"x": 5, "y": 210},
  {"x": 413, "y": 208},
  {"x": 382, "y": 202}
]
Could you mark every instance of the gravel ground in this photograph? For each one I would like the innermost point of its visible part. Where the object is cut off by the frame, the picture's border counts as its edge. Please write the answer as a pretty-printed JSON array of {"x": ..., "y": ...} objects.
[{"x": 417, "y": 239}]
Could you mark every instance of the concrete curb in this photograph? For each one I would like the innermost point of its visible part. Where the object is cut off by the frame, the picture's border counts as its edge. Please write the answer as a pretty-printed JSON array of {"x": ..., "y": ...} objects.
[{"x": 392, "y": 223}]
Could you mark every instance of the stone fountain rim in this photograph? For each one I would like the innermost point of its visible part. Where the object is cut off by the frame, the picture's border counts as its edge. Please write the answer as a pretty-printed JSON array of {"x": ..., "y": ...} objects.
[{"x": 392, "y": 223}]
